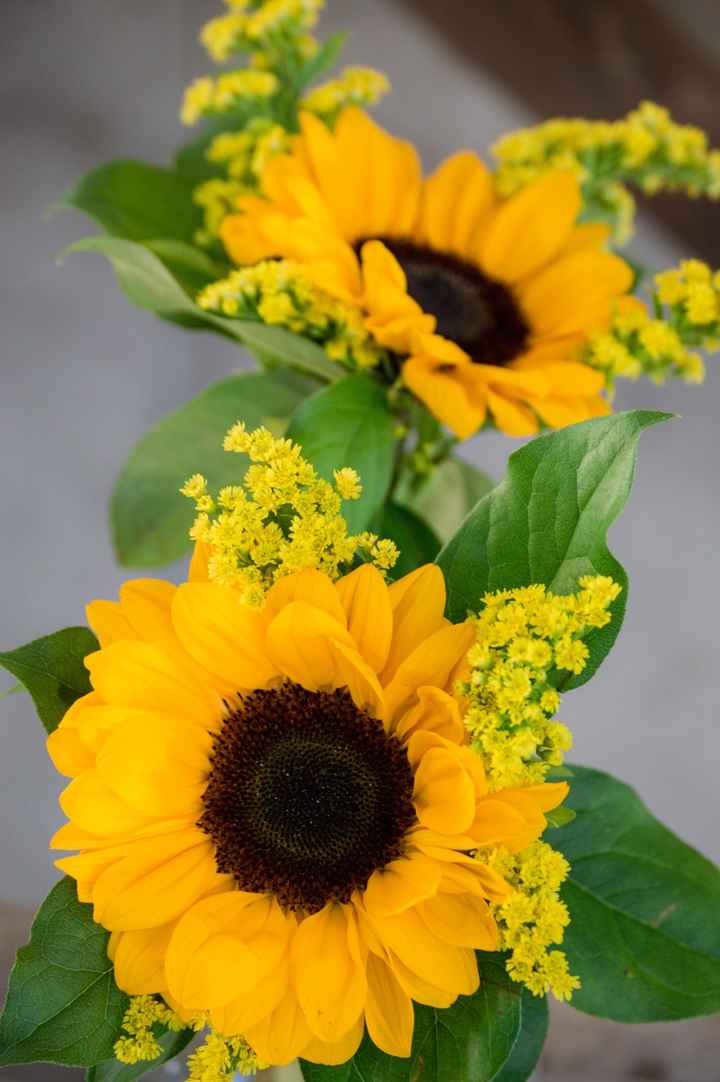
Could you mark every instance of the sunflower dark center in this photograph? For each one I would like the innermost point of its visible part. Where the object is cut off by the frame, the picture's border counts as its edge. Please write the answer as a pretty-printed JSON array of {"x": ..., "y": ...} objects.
[
  {"x": 307, "y": 795},
  {"x": 473, "y": 310}
]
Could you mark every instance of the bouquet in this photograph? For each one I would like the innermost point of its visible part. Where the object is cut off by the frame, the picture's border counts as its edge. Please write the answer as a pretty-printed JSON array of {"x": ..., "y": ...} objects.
[{"x": 318, "y": 807}]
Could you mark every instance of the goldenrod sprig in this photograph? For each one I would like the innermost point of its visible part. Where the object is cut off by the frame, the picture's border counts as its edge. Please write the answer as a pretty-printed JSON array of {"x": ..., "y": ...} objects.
[
  {"x": 646, "y": 149},
  {"x": 280, "y": 293},
  {"x": 282, "y": 518},
  {"x": 659, "y": 342}
]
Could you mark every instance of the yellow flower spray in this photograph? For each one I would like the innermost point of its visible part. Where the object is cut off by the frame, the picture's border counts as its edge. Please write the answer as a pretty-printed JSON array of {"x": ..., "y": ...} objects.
[
  {"x": 282, "y": 518},
  {"x": 524, "y": 639}
]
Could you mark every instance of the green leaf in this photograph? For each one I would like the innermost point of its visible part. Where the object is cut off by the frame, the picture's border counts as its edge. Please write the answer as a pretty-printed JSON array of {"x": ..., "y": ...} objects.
[
  {"x": 449, "y": 493},
  {"x": 547, "y": 521},
  {"x": 495, "y": 1035},
  {"x": 350, "y": 424},
  {"x": 109, "y": 1070},
  {"x": 323, "y": 59},
  {"x": 137, "y": 201},
  {"x": 644, "y": 935},
  {"x": 151, "y": 284},
  {"x": 14, "y": 689},
  {"x": 63, "y": 1005},
  {"x": 150, "y": 519},
  {"x": 192, "y": 268},
  {"x": 52, "y": 670},
  {"x": 418, "y": 544}
]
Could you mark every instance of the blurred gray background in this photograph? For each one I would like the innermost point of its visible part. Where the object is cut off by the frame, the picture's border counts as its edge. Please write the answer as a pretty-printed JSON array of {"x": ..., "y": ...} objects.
[{"x": 84, "y": 375}]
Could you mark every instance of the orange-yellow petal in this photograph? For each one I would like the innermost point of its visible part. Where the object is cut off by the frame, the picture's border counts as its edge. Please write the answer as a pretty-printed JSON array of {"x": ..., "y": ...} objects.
[
  {"x": 366, "y": 601},
  {"x": 221, "y": 634},
  {"x": 329, "y": 971},
  {"x": 388, "y": 1010},
  {"x": 530, "y": 228}
]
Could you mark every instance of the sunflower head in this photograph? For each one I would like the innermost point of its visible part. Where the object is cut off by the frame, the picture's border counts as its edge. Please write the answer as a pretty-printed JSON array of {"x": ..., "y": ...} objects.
[
  {"x": 275, "y": 805},
  {"x": 485, "y": 302}
]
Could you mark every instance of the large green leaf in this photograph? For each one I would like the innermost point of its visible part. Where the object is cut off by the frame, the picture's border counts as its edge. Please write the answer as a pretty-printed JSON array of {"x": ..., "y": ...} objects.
[
  {"x": 644, "y": 935},
  {"x": 172, "y": 1044},
  {"x": 63, "y": 1005},
  {"x": 444, "y": 500},
  {"x": 137, "y": 201},
  {"x": 150, "y": 519},
  {"x": 495, "y": 1035},
  {"x": 350, "y": 424},
  {"x": 149, "y": 282},
  {"x": 418, "y": 544},
  {"x": 547, "y": 521},
  {"x": 52, "y": 670}
]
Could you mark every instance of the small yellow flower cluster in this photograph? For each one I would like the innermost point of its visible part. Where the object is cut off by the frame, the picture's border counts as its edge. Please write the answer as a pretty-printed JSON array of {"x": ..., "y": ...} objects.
[
  {"x": 220, "y": 1058},
  {"x": 248, "y": 26},
  {"x": 243, "y": 155},
  {"x": 246, "y": 153},
  {"x": 522, "y": 638},
  {"x": 532, "y": 919},
  {"x": 282, "y": 518},
  {"x": 142, "y": 1014},
  {"x": 647, "y": 148},
  {"x": 280, "y": 292},
  {"x": 686, "y": 313},
  {"x": 208, "y": 95},
  {"x": 355, "y": 86},
  {"x": 693, "y": 292},
  {"x": 217, "y": 198}
]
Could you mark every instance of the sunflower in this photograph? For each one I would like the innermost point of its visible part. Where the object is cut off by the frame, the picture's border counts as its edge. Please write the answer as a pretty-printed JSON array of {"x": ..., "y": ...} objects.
[
  {"x": 488, "y": 300},
  {"x": 276, "y": 809}
]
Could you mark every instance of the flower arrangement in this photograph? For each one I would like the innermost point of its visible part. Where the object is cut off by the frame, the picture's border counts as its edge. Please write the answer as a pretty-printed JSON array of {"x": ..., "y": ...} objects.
[{"x": 317, "y": 804}]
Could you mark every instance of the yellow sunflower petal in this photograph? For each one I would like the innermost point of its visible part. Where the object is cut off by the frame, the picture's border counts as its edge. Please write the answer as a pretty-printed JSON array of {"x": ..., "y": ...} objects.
[
  {"x": 282, "y": 1035},
  {"x": 531, "y": 228},
  {"x": 329, "y": 973},
  {"x": 254, "y": 1005},
  {"x": 450, "y": 968},
  {"x": 333, "y": 1054},
  {"x": 444, "y": 795},
  {"x": 416, "y": 988},
  {"x": 449, "y": 395},
  {"x": 139, "y": 960},
  {"x": 221, "y": 634},
  {"x": 353, "y": 673},
  {"x": 366, "y": 601},
  {"x": 310, "y": 586},
  {"x": 587, "y": 235},
  {"x": 575, "y": 294},
  {"x": 199, "y": 561},
  {"x": 455, "y": 200},
  {"x": 109, "y": 623},
  {"x": 146, "y": 605},
  {"x": 431, "y": 663},
  {"x": 299, "y": 644},
  {"x": 435, "y": 711},
  {"x": 157, "y": 882},
  {"x": 400, "y": 885},
  {"x": 383, "y": 176},
  {"x": 93, "y": 806},
  {"x": 221, "y": 937},
  {"x": 66, "y": 747},
  {"x": 462, "y": 919},
  {"x": 394, "y": 318},
  {"x": 145, "y": 676},
  {"x": 511, "y": 417},
  {"x": 169, "y": 777},
  {"x": 494, "y": 822},
  {"x": 388, "y": 1010},
  {"x": 418, "y": 604}
]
